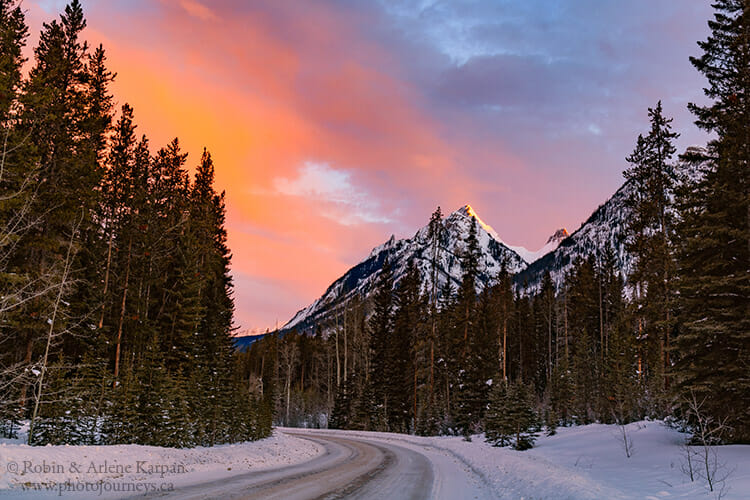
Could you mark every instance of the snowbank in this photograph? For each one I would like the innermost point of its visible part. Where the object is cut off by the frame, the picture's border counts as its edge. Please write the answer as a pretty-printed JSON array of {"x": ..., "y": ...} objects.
[
  {"x": 581, "y": 463},
  {"x": 588, "y": 463},
  {"x": 128, "y": 470}
]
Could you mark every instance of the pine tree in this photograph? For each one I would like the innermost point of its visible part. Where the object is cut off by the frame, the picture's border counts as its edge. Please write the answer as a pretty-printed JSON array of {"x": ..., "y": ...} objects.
[
  {"x": 53, "y": 119},
  {"x": 714, "y": 231},
  {"x": 13, "y": 34},
  {"x": 121, "y": 419},
  {"x": 342, "y": 416},
  {"x": 621, "y": 386},
  {"x": 650, "y": 232},
  {"x": 211, "y": 346},
  {"x": 16, "y": 198},
  {"x": 402, "y": 375},
  {"x": 471, "y": 395},
  {"x": 497, "y": 427},
  {"x": 381, "y": 334},
  {"x": 435, "y": 234},
  {"x": 54, "y": 423}
]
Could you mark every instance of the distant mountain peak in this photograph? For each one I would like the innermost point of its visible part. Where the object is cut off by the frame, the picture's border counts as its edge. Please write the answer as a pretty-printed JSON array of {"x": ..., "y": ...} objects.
[
  {"x": 362, "y": 279},
  {"x": 552, "y": 243},
  {"x": 603, "y": 230},
  {"x": 558, "y": 236},
  {"x": 468, "y": 211},
  {"x": 527, "y": 255}
]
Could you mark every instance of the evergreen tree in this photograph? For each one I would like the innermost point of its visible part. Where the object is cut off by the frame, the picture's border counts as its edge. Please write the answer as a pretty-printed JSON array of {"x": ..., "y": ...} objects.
[
  {"x": 13, "y": 34},
  {"x": 16, "y": 198},
  {"x": 402, "y": 376},
  {"x": 53, "y": 119},
  {"x": 511, "y": 418},
  {"x": 650, "y": 232},
  {"x": 435, "y": 233},
  {"x": 714, "y": 231},
  {"x": 497, "y": 427},
  {"x": 381, "y": 333},
  {"x": 471, "y": 395},
  {"x": 342, "y": 415}
]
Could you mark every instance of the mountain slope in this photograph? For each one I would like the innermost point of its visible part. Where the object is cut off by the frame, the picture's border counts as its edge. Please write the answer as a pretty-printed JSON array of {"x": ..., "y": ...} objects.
[
  {"x": 604, "y": 229},
  {"x": 552, "y": 243},
  {"x": 362, "y": 278}
]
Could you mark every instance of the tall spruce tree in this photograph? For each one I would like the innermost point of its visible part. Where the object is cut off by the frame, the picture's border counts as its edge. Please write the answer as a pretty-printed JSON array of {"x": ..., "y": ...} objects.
[
  {"x": 714, "y": 232},
  {"x": 435, "y": 234},
  {"x": 650, "y": 230},
  {"x": 471, "y": 395},
  {"x": 16, "y": 199},
  {"x": 381, "y": 334},
  {"x": 402, "y": 375}
]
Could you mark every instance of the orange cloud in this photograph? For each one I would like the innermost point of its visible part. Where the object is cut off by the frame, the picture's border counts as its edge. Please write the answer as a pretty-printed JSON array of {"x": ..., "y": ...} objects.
[{"x": 270, "y": 90}]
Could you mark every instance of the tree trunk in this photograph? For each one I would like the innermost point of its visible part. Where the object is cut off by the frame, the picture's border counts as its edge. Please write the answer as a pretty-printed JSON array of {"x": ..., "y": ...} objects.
[
  {"x": 338, "y": 362},
  {"x": 601, "y": 318},
  {"x": 106, "y": 276},
  {"x": 122, "y": 314},
  {"x": 549, "y": 341}
]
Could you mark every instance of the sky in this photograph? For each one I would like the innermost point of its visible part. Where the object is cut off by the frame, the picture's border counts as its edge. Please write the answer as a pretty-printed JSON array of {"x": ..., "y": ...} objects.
[{"x": 336, "y": 123}]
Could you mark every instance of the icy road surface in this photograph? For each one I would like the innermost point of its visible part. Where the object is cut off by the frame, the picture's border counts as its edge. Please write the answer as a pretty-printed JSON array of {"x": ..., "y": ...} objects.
[{"x": 353, "y": 467}]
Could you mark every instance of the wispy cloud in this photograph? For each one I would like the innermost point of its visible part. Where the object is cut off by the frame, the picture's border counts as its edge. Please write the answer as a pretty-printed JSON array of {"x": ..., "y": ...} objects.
[
  {"x": 198, "y": 10},
  {"x": 329, "y": 120},
  {"x": 339, "y": 198}
]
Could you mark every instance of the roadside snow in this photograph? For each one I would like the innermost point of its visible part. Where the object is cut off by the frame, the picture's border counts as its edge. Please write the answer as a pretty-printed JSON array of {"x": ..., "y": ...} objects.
[
  {"x": 581, "y": 463},
  {"x": 585, "y": 463},
  {"x": 129, "y": 470}
]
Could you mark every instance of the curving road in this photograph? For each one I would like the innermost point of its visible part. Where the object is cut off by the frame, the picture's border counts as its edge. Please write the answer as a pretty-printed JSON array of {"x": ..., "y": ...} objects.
[{"x": 351, "y": 467}]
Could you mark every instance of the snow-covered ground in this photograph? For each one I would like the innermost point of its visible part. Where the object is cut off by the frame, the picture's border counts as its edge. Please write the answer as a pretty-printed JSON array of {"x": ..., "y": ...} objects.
[
  {"x": 588, "y": 462},
  {"x": 28, "y": 472}
]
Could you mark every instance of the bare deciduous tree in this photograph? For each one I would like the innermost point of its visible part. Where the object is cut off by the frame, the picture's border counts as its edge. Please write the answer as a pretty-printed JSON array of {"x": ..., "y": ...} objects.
[
  {"x": 51, "y": 332},
  {"x": 626, "y": 441},
  {"x": 702, "y": 459},
  {"x": 288, "y": 352}
]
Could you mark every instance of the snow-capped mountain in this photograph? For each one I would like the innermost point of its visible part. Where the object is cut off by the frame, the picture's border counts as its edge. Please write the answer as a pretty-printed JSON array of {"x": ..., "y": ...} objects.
[
  {"x": 362, "y": 278},
  {"x": 604, "y": 229},
  {"x": 552, "y": 243}
]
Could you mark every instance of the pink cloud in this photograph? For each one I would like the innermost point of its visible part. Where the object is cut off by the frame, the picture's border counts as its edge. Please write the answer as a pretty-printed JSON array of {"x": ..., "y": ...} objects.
[{"x": 322, "y": 144}]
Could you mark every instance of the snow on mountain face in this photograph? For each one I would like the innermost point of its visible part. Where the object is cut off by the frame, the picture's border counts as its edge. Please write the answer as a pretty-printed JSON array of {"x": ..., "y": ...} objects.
[
  {"x": 604, "y": 229},
  {"x": 362, "y": 279},
  {"x": 552, "y": 243}
]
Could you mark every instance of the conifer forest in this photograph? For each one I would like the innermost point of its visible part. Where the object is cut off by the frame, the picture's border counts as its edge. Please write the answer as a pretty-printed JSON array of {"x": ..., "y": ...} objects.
[
  {"x": 607, "y": 344},
  {"x": 117, "y": 307}
]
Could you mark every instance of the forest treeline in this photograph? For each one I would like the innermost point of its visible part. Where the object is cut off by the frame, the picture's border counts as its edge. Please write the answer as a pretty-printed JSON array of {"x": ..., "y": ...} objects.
[
  {"x": 116, "y": 307},
  {"x": 668, "y": 338}
]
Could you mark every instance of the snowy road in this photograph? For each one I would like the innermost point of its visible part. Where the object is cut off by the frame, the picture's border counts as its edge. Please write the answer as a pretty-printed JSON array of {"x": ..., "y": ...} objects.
[{"x": 353, "y": 467}]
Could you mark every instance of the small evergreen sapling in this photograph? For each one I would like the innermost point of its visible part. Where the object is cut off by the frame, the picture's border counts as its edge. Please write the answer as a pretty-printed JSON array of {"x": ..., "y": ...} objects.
[{"x": 511, "y": 417}]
